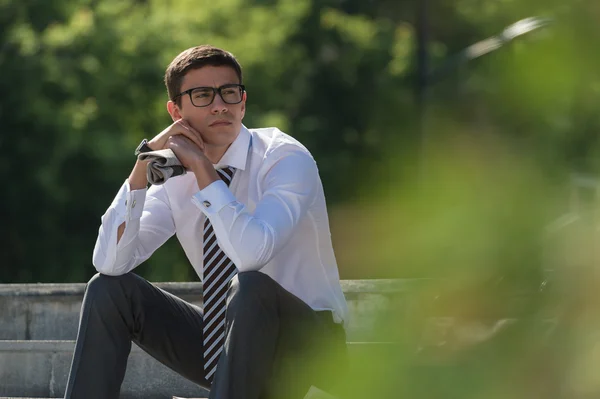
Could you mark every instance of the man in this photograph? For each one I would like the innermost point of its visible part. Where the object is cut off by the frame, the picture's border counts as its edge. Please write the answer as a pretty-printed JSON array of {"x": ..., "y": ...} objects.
[{"x": 251, "y": 217}]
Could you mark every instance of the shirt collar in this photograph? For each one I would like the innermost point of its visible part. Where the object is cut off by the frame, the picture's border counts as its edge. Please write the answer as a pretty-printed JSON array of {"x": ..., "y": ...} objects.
[{"x": 237, "y": 153}]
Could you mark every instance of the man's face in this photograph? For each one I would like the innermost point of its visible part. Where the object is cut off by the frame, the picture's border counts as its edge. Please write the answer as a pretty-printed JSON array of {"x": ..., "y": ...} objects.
[{"x": 219, "y": 123}]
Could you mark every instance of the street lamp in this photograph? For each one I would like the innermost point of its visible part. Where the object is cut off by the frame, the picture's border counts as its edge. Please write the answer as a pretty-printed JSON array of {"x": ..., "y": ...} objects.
[
  {"x": 487, "y": 46},
  {"x": 426, "y": 78}
]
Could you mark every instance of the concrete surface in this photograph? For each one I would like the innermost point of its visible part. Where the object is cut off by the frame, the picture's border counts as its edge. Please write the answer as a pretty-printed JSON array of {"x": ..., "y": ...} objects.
[
  {"x": 51, "y": 311},
  {"x": 38, "y": 323},
  {"x": 40, "y": 369}
]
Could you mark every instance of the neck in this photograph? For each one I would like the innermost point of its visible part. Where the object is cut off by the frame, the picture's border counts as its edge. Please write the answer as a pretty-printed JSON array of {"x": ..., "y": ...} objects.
[{"x": 214, "y": 153}]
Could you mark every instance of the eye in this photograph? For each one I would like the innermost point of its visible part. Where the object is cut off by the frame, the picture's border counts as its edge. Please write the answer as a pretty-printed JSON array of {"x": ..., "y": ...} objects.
[{"x": 202, "y": 93}]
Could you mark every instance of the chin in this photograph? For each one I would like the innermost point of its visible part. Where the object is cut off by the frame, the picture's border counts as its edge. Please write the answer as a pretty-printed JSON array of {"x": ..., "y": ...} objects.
[{"x": 221, "y": 135}]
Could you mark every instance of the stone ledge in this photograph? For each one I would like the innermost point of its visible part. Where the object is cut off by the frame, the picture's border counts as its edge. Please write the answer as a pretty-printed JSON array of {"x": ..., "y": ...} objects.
[
  {"x": 68, "y": 345},
  {"x": 195, "y": 288},
  {"x": 51, "y": 311}
]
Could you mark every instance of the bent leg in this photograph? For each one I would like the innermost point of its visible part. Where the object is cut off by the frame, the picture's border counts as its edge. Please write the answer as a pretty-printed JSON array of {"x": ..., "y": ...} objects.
[
  {"x": 117, "y": 310},
  {"x": 275, "y": 344}
]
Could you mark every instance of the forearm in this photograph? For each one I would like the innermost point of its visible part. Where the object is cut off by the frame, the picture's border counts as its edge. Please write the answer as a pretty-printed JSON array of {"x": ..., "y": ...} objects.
[
  {"x": 138, "y": 180},
  {"x": 250, "y": 242},
  {"x": 119, "y": 249},
  {"x": 110, "y": 257},
  {"x": 252, "y": 238},
  {"x": 120, "y": 232},
  {"x": 122, "y": 212}
]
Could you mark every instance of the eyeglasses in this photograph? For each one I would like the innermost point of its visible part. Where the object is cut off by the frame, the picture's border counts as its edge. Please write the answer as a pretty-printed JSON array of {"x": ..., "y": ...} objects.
[{"x": 204, "y": 96}]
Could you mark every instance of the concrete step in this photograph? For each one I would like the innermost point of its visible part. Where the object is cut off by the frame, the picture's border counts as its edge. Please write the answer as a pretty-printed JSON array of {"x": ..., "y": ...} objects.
[
  {"x": 40, "y": 369},
  {"x": 51, "y": 311}
]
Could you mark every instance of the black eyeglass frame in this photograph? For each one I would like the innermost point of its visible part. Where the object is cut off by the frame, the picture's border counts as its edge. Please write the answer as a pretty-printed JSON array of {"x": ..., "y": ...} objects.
[{"x": 215, "y": 90}]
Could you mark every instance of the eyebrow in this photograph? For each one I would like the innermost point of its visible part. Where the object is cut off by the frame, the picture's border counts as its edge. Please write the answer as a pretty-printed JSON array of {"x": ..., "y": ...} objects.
[{"x": 212, "y": 87}]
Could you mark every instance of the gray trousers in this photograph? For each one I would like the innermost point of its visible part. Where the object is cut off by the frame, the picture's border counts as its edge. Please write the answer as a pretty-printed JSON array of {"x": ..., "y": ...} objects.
[{"x": 276, "y": 346}]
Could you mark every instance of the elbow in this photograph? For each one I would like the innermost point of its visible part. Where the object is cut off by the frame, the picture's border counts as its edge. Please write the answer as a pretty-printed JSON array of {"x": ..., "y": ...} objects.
[
  {"x": 255, "y": 257},
  {"x": 249, "y": 266},
  {"x": 99, "y": 260},
  {"x": 108, "y": 271},
  {"x": 104, "y": 265},
  {"x": 252, "y": 261},
  {"x": 103, "y": 257}
]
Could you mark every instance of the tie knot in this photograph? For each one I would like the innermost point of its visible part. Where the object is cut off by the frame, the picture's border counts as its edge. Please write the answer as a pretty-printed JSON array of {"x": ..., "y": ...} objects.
[{"x": 226, "y": 174}]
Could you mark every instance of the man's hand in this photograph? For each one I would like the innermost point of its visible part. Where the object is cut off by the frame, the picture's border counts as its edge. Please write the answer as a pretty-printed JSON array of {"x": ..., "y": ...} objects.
[
  {"x": 188, "y": 152},
  {"x": 178, "y": 128},
  {"x": 192, "y": 158},
  {"x": 137, "y": 178}
]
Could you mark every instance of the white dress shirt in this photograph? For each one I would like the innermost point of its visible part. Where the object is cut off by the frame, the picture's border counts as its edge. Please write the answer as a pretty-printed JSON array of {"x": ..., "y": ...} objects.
[{"x": 272, "y": 218}]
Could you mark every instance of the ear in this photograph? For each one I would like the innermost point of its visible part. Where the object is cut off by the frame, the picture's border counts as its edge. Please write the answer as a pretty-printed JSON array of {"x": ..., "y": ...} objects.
[{"x": 174, "y": 111}]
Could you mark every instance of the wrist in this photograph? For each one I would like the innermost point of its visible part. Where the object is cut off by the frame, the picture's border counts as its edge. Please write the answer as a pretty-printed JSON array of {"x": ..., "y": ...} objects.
[
  {"x": 138, "y": 179},
  {"x": 152, "y": 145},
  {"x": 205, "y": 172},
  {"x": 200, "y": 164}
]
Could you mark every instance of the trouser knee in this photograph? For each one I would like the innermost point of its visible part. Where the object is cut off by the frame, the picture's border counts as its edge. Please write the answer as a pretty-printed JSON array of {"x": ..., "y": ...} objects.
[
  {"x": 251, "y": 289},
  {"x": 101, "y": 289}
]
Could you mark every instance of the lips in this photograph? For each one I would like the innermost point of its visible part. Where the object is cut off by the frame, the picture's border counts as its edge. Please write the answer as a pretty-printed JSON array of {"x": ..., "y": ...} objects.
[{"x": 220, "y": 123}]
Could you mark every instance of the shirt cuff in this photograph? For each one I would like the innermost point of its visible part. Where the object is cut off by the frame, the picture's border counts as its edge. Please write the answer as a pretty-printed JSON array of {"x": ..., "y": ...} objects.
[
  {"x": 213, "y": 198},
  {"x": 128, "y": 203}
]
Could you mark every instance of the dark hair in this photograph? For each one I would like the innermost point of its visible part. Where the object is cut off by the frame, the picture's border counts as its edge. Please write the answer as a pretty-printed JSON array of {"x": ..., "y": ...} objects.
[{"x": 195, "y": 58}]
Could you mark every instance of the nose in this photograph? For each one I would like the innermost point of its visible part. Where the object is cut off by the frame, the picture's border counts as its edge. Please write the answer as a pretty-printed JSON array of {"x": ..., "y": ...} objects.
[{"x": 218, "y": 106}]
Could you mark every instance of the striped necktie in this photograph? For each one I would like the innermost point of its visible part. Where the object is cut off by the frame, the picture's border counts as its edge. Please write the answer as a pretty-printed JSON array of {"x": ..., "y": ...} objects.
[{"x": 218, "y": 272}]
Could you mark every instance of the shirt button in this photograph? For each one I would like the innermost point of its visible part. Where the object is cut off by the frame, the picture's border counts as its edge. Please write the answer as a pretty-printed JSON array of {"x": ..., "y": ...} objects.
[
  {"x": 206, "y": 204},
  {"x": 133, "y": 204}
]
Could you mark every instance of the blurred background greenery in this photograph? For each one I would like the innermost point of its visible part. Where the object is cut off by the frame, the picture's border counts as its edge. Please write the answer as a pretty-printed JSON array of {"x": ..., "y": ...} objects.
[
  {"x": 476, "y": 160},
  {"x": 478, "y": 176}
]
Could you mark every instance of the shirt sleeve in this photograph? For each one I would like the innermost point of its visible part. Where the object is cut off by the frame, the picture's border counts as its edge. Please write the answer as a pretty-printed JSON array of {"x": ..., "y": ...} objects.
[
  {"x": 148, "y": 224},
  {"x": 251, "y": 240}
]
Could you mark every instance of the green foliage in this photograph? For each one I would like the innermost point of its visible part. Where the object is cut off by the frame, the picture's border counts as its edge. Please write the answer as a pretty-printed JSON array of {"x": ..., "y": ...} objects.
[{"x": 82, "y": 85}]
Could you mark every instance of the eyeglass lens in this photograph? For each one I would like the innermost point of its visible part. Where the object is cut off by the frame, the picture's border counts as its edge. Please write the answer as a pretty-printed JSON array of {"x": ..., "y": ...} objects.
[{"x": 203, "y": 96}]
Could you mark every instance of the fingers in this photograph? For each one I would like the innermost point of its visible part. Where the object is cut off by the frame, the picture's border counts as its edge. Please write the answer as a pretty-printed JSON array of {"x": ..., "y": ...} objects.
[
  {"x": 178, "y": 140},
  {"x": 180, "y": 127},
  {"x": 171, "y": 141}
]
